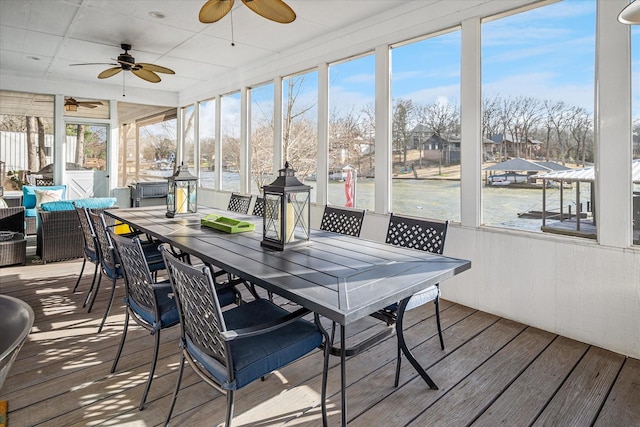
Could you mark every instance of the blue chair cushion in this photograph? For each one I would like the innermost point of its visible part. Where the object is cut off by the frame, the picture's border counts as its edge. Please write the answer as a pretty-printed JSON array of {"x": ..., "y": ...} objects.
[
  {"x": 226, "y": 295},
  {"x": 96, "y": 202},
  {"x": 92, "y": 256},
  {"x": 168, "y": 310},
  {"x": 31, "y": 212},
  {"x": 29, "y": 194},
  {"x": 68, "y": 205},
  {"x": 61, "y": 205},
  {"x": 254, "y": 357}
]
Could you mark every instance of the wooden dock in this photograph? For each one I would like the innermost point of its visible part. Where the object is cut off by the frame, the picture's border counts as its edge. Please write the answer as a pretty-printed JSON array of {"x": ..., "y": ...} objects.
[{"x": 493, "y": 371}]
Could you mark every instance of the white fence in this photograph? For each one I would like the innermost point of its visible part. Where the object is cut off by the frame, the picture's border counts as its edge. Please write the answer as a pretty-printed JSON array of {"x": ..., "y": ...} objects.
[{"x": 13, "y": 149}]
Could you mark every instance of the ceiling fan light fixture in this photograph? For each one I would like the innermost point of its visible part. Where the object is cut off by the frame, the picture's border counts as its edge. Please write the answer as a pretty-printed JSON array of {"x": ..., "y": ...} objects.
[
  {"x": 630, "y": 15},
  {"x": 70, "y": 107}
]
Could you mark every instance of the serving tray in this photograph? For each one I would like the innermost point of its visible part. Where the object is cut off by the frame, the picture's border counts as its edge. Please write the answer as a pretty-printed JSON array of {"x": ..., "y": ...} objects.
[{"x": 228, "y": 225}]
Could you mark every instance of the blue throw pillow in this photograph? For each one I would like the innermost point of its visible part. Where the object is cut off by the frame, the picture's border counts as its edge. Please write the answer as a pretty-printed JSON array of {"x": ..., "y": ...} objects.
[{"x": 29, "y": 194}]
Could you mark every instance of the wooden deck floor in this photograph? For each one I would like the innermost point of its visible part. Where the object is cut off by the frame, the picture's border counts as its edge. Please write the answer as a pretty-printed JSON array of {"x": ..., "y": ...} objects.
[{"x": 493, "y": 371}]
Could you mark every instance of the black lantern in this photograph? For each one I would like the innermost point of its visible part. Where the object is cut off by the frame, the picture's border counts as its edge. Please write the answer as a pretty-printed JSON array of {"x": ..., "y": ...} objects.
[
  {"x": 286, "y": 211},
  {"x": 182, "y": 195}
]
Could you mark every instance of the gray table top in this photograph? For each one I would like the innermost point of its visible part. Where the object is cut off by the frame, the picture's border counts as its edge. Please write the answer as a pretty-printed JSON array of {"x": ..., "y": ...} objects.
[{"x": 341, "y": 277}]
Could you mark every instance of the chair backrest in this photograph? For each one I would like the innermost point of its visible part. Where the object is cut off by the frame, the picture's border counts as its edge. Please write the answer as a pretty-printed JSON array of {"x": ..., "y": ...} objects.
[
  {"x": 44, "y": 182},
  {"x": 416, "y": 233},
  {"x": 138, "y": 279},
  {"x": 87, "y": 230},
  {"x": 239, "y": 203},
  {"x": 258, "y": 207},
  {"x": 342, "y": 220},
  {"x": 108, "y": 256},
  {"x": 201, "y": 319}
]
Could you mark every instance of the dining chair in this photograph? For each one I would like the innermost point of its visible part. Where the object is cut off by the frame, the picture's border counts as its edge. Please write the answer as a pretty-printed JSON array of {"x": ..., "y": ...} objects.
[
  {"x": 239, "y": 203},
  {"x": 258, "y": 207},
  {"x": 90, "y": 252},
  {"x": 110, "y": 263},
  {"x": 232, "y": 348},
  {"x": 342, "y": 220},
  {"x": 148, "y": 301},
  {"x": 423, "y": 235}
]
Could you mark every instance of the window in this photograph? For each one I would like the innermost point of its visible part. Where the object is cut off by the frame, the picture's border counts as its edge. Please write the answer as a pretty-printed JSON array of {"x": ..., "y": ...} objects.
[
  {"x": 351, "y": 132},
  {"x": 537, "y": 86},
  {"x": 425, "y": 88},
  {"x": 300, "y": 126},
  {"x": 230, "y": 136},
  {"x": 261, "y": 137},
  {"x": 152, "y": 155},
  {"x": 26, "y": 141},
  {"x": 207, "y": 136}
]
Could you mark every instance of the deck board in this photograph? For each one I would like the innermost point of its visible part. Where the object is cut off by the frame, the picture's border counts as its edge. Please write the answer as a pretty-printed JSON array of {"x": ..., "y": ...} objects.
[
  {"x": 527, "y": 396},
  {"x": 579, "y": 399},
  {"x": 493, "y": 371}
]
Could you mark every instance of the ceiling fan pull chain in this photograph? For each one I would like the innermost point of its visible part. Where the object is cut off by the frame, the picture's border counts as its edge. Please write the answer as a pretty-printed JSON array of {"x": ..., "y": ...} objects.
[
  {"x": 231, "y": 13},
  {"x": 123, "y": 84}
]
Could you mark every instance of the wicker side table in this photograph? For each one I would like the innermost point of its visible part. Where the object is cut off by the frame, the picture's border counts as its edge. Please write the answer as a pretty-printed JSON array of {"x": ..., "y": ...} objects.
[{"x": 13, "y": 251}]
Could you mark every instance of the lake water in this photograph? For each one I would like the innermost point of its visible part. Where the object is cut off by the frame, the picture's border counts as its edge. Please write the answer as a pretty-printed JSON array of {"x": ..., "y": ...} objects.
[{"x": 440, "y": 199}]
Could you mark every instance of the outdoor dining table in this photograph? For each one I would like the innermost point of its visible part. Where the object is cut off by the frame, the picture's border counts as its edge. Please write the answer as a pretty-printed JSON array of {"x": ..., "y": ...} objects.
[{"x": 342, "y": 278}]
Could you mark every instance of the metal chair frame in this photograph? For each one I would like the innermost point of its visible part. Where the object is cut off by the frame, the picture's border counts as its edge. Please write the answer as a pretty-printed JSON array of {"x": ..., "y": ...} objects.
[
  {"x": 145, "y": 292},
  {"x": 426, "y": 236},
  {"x": 90, "y": 249},
  {"x": 239, "y": 203},
  {"x": 110, "y": 265},
  {"x": 342, "y": 220},
  {"x": 202, "y": 323},
  {"x": 258, "y": 207}
]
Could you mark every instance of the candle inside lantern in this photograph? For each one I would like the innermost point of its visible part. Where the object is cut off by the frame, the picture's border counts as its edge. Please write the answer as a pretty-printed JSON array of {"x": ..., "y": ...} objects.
[
  {"x": 290, "y": 223},
  {"x": 181, "y": 200}
]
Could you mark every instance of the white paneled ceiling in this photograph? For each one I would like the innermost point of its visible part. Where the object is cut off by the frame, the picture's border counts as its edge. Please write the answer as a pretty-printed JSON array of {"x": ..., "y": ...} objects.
[{"x": 39, "y": 39}]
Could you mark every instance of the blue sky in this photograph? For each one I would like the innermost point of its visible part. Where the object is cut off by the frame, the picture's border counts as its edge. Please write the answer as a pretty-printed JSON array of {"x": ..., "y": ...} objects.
[{"x": 546, "y": 53}]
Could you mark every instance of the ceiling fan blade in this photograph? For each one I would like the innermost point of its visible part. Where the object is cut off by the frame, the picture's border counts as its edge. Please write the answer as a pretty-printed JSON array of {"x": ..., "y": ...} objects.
[
  {"x": 214, "y": 10},
  {"x": 147, "y": 75},
  {"x": 89, "y": 104},
  {"x": 154, "y": 68},
  {"x": 109, "y": 72},
  {"x": 273, "y": 10}
]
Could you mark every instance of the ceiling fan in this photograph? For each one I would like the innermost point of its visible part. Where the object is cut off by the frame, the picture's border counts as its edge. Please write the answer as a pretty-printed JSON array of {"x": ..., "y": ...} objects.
[
  {"x": 273, "y": 10},
  {"x": 70, "y": 104},
  {"x": 127, "y": 62}
]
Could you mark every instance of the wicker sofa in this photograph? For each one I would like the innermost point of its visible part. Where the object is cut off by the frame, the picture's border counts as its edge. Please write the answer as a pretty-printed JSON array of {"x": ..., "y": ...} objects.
[
  {"x": 13, "y": 251},
  {"x": 29, "y": 202},
  {"x": 59, "y": 233}
]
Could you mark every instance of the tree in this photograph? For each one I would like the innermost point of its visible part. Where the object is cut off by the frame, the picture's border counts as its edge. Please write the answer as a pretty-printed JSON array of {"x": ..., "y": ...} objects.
[
  {"x": 579, "y": 128},
  {"x": 80, "y": 145},
  {"x": 557, "y": 120},
  {"x": 31, "y": 143},
  {"x": 403, "y": 120},
  {"x": 442, "y": 119},
  {"x": 299, "y": 136},
  {"x": 344, "y": 136},
  {"x": 42, "y": 159}
]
